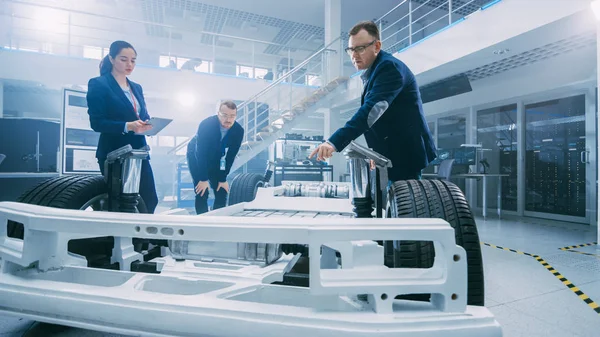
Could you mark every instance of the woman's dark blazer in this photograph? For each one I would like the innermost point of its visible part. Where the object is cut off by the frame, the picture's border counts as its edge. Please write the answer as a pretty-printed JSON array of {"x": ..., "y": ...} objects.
[{"x": 109, "y": 109}]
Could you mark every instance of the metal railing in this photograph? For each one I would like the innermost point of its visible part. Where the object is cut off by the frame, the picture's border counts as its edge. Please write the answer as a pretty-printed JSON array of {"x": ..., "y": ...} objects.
[
  {"x": 254, "y": 112},
  {"x": 413, "y": 21},
  {"x": 57, "y": 30},
  {"x": 283, "y": 93}
]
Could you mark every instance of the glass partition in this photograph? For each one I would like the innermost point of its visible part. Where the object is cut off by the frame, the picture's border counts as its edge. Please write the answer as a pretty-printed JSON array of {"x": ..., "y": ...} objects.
[
  {"x": 451, "y": 134},
  {"x": 497, "y": 134},
  {"x": 431, "y": 167},
  {"x": 555, "y": 144}
]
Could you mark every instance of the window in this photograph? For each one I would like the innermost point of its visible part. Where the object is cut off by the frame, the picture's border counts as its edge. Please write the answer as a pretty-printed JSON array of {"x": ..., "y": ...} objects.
[
  {"x": 92, "y": 52},
  {"x": 183, "y": 150},
  {"x": 555, "y": 141},
  {"x": 251, "y": 72},
  {"x": 451, "y": 134},
  {"x": 166, "y": 141},
  {"x": 152, "y": 141},
  {"x": 21, "y": 48},
  {"x": 205, "y": 67},
  {"x": 260, "y": 72},
  {"x": 165, "y": 61},
  {"x": 244, "y": 71},
  {"x": 313, "y": 80},
  {"x": 497, "y": 134},
  {"x": 28, "y": 49},
  {"x": 47, "y": 48},
  {"x": 180, "y": 61}
]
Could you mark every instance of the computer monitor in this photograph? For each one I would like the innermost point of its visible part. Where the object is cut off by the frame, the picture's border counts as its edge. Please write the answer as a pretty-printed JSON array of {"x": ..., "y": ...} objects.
[
  {"x": 462, "y": 156},
  {"x": 465, "y": 156},
  {"x": 443, "y": 154}
]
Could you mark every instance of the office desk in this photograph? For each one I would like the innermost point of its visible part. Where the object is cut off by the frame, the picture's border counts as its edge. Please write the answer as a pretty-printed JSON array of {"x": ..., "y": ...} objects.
[{"x": 485, "y": 180}]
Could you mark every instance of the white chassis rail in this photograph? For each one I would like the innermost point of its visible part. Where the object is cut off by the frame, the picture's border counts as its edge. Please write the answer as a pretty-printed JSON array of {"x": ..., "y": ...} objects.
[{"x": 40, "y": 280}]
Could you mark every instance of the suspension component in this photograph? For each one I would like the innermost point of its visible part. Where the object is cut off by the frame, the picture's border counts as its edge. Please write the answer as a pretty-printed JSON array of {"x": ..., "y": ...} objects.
[
  {"x": 269, "y": 171},
  {"x": 361, "y": 191},
  {"x": 316, "y": 190},
  {"x": 363, "y": 207},
  {"x": 128, "y": 202},
  {"x": 367, "y": 192}
]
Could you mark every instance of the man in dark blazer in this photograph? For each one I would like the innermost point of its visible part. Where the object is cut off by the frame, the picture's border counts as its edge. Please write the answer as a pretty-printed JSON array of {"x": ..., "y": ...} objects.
[
  {"x": 211, "y": 154},
  {"x": 391, "y": 113}
]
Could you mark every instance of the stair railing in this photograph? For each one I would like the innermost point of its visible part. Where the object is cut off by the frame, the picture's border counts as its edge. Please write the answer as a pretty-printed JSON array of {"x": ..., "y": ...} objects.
[{"x": 249, "y": 108}]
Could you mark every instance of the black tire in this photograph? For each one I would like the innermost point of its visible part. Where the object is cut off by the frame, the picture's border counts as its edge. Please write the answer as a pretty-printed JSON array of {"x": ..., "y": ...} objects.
[
  {"x": 436, "y": 199},
  {"x": 72, "y": 192},
  {"x": 244, "y": 187}
]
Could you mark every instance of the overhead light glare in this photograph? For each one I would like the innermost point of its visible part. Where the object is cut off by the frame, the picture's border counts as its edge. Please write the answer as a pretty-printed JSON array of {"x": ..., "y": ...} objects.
[
  {"x": 186, "y": 99},
  {"x": 596, "y": 8}
]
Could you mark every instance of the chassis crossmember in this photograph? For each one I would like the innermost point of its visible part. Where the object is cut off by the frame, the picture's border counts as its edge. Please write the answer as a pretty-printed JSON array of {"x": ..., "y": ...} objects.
[{"x": 351, "y": 292}]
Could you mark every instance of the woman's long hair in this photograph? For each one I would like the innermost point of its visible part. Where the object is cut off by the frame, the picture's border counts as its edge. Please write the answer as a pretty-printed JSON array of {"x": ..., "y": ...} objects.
[{"x": 115, "y": 49}]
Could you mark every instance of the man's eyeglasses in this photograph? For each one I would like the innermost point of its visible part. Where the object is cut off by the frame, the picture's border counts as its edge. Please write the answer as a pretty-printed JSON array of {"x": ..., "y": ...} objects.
[
  {"x": 359, "y": 49},
  {"x": 226, "y": 116}
]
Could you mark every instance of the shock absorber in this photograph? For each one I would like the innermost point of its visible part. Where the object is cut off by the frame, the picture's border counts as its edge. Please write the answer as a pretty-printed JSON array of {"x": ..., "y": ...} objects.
[
  {"x": 268, "y": 171},
  {"x": 359, "y": 158},
  {"x": 130, "y": 179},
  {"x": 361, "y": 192},
  {"x": 123, "y": 173},
  {"x": 124, "y": 167},
  {"x": 128, "y": 203}
]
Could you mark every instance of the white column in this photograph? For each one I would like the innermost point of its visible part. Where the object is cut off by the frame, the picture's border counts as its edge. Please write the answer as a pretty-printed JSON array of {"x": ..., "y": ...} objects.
[
  {"x": 332, "y": 122},
  {"x": 521, "y": 150},
  {"x": 598, "y": 126},
  {"x": 331, "y": 70},
  {"x": 274, "y": 67},
  {"x": 471, "y": 184},
  {"x": 333, "y": 30}
]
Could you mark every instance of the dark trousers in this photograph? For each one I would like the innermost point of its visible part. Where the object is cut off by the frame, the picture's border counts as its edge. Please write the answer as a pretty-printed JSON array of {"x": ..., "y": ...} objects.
[
  {"x": 202, "y": 201},
  {"x": 147, "y": 185}
]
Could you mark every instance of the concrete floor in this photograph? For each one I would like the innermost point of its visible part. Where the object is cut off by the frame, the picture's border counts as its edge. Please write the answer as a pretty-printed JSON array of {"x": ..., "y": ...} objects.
[{"x": 526, "y": 298}]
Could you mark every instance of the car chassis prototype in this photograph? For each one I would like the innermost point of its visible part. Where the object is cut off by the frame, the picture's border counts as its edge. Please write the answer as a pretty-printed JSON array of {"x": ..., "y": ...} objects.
[{"x": 222, "y": 273}]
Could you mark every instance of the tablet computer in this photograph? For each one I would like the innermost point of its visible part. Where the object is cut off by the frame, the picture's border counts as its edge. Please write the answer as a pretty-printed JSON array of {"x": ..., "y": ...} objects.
[{"x": 157, "y": 125}]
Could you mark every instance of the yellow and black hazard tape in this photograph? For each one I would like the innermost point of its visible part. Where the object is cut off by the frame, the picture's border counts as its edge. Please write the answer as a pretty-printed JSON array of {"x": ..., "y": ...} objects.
[
  {"x": 506, "y": 249},
  {"x": 582, "y": 253},
  {"x": 579, "y": 246},
  {"x": 569, "y": 285},
  {"x": 558, "y": 275}
]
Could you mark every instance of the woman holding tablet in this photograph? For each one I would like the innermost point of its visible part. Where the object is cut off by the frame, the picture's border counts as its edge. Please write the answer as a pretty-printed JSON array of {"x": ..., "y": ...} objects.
[{"x": 118, "y": 112}]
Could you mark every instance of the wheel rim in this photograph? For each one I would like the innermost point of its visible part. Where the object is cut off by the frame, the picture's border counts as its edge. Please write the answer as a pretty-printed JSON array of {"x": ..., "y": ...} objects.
[
  {"x": 98, "y": 203},
  {"x": 392, "y": 208},
  {"x": 258, "y": 185}
]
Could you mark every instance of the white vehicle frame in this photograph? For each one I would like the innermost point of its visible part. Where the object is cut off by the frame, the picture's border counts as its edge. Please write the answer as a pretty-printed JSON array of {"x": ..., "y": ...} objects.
[{"x": 351, "y": 292}]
